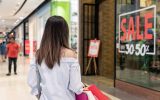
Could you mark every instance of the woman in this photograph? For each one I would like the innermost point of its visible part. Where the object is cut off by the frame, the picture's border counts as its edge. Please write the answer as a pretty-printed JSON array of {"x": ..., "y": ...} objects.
[{"x": 55, "y": 71}]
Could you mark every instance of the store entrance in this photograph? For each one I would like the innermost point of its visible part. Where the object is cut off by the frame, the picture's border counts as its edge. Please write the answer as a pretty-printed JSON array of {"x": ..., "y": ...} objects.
[{"x": 90, "y": 31}]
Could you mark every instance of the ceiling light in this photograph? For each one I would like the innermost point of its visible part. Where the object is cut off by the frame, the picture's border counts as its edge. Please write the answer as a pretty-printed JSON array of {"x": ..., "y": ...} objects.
[
  {"x": 17, "y": 20},
  {"x": 19, "y": 3},
  {"x": 21, "y": 18},
  {"x": 3, "y": 20}
]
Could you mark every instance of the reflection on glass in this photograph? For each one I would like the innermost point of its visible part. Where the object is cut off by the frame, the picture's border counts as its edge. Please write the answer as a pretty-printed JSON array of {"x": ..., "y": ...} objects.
[{"x": 138, "y": 68}]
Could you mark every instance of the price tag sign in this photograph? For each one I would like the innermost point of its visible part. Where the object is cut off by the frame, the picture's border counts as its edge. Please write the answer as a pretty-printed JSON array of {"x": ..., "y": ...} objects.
[
  {"x": 93, "y": 48},
  {"x": 137, "y": 32}
]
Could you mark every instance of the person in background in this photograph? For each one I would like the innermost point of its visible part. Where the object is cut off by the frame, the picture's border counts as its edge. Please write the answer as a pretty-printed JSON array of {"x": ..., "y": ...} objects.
[
  {"x": 3, "y": 51},
  {"x": 12, "y": 53},
  {"x": 0, "y": 50},
  {"x": 55, "y": 72}
]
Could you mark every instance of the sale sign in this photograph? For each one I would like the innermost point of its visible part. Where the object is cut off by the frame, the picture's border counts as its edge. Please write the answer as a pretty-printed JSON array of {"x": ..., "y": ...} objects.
[
  {"x": 137, "y": 32},
  {"x": 93, "y": 48}
]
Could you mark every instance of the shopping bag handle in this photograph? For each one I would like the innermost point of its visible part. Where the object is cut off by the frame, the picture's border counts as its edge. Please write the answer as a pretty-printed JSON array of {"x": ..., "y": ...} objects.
[{"x": 85, "y": 85}]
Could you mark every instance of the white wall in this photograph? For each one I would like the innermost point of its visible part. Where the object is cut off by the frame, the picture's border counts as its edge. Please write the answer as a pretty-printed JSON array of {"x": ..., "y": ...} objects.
[
  {"x": 32, "y": 31},
  {"x": 36, "y": 26},
  {"x": 74, "y": 30},
  {"x": 20, "y": 38},
  {"x": 42, "y": 17}
]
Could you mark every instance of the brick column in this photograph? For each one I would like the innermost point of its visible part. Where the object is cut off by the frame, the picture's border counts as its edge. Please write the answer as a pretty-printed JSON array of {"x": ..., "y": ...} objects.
[{"x": 106, "y": 35}]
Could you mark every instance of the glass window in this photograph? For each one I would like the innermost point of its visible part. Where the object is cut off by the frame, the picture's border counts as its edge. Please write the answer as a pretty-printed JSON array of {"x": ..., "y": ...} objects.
[{"x": 138, "y": 43}]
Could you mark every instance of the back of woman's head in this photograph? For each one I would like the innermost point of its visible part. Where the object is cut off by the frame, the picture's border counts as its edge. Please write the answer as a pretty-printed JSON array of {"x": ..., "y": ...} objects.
[{"x": 55, "y": 37}]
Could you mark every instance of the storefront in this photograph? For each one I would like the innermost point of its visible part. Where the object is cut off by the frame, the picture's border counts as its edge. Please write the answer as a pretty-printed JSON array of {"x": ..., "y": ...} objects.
[
  {"x": 36, "y": 27},
  {"x": 31, "y": 30},
  {"x": 138, "y": 46},
  {"x": 19, "y": 38},
  {"x": 65, "y": 8},
  {"x": 69, "y": 9}
]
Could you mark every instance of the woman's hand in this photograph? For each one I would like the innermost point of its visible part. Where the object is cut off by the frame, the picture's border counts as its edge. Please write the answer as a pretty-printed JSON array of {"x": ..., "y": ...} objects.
[{"x": 85, "y": 89}]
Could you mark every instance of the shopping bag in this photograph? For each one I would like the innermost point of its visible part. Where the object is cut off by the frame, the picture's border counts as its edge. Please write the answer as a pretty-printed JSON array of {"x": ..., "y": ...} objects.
[
  {"x": 82, "y": 96},
  {"x": 96, "y": 92},
  {"x": 90, "y": 95}
]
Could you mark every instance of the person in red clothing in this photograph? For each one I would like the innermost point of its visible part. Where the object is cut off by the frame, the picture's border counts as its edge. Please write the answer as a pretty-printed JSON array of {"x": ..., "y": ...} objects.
[{"x": 12, "y": 53}]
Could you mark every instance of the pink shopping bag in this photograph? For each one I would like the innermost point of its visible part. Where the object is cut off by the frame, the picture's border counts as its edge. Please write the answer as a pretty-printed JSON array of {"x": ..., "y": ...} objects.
[{"x": 82, "y": 96}]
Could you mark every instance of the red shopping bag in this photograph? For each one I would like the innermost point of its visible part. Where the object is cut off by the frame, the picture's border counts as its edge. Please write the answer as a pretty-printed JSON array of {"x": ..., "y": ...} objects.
[
  {"x": 95, "y": 91},
  {"x": 82, "y": 96}
]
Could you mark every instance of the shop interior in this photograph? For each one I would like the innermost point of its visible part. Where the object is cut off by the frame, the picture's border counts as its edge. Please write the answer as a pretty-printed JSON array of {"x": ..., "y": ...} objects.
[{"x": 141, "y": 70}]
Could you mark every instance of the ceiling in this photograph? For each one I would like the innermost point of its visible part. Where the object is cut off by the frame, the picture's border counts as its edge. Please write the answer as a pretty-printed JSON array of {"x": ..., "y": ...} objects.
[{"x": 9, "y": 7}]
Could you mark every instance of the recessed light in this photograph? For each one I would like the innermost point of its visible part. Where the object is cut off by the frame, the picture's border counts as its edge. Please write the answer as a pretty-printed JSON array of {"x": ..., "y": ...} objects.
[
  {"x": 18, "y": 3},
  {"x": 17, "y": 20},
  {"x": 3, "y": 20},
  {"x": 21, "y": 18}
]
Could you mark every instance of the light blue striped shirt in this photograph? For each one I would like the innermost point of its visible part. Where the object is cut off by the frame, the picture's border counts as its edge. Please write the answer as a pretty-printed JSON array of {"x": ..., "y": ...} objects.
[{"x": 59, "y": 83}]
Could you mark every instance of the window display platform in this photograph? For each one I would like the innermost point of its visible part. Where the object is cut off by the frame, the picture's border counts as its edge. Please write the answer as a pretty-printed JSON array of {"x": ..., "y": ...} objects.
[{"x": 140, "y": 77}]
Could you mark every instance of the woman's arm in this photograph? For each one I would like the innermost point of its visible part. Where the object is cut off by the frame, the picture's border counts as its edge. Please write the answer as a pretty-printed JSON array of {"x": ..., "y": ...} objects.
[
  {"x": 34, "y": 79},
  {"x": 75, "y": 79}
]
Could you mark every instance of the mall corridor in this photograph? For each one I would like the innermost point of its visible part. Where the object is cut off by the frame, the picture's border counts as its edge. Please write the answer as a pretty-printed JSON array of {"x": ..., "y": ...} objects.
[
  {"x": 113, "y": 45},
  {"x": 15, "y": 87}
]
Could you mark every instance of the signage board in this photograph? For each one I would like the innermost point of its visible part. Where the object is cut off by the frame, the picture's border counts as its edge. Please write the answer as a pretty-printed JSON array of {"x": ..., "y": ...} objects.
[
  {"x": 93, "y": 48},
  {"x": 137, "y": 32}
]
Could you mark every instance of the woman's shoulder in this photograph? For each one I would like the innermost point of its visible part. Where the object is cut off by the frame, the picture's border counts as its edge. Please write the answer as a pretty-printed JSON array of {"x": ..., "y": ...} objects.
[
  {"x": 69, "y": 53},
  {"x": 69, "y": 56}
]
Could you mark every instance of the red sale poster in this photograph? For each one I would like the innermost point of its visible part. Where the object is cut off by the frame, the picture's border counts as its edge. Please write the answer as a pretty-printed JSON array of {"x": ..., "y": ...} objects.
[
  {"x": 93, "y": 48},
  {"x": 27, "y": 47},
  {"x": 135, "y": 39}
]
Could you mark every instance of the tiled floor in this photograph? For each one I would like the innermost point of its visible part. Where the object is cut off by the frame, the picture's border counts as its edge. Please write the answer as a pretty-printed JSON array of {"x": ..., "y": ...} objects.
[
  {"x": 15, "y": 87},
  {"x": 106, "y": 85}
]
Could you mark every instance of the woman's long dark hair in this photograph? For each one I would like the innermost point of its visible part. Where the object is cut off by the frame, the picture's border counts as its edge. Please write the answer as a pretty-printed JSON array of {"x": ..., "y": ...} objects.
[{"x": 55, "y": 37}]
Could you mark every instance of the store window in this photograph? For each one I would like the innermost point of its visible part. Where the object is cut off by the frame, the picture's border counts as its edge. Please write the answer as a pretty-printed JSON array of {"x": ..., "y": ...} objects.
[
  {"x": 138, "y": 42},
  {"x": 26, "y": 39}
]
